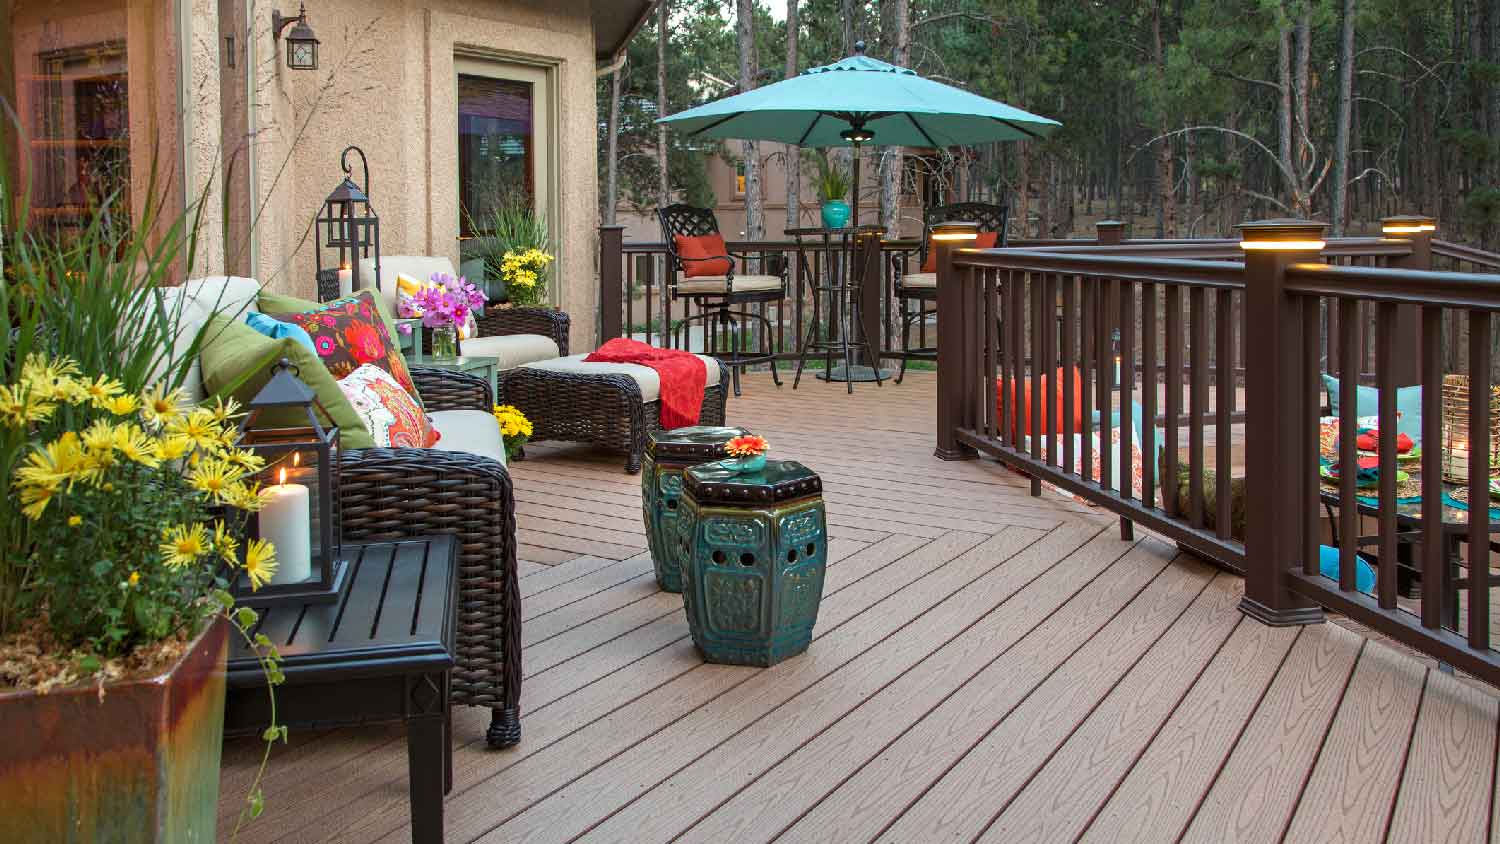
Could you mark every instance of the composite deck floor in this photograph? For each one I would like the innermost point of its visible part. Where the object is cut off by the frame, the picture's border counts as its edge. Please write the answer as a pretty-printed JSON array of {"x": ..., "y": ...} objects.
[{"x": 987, "y": 666}]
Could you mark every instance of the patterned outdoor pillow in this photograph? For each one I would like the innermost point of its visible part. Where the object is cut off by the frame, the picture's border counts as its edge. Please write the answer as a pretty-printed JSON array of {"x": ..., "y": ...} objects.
[
  {"x": 349, "y": 333},
  {"x": 393, "y": 417}
]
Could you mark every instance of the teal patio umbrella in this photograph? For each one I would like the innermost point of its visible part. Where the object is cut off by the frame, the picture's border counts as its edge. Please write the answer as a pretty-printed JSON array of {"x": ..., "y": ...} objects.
[{"x": 860, "y": 100}]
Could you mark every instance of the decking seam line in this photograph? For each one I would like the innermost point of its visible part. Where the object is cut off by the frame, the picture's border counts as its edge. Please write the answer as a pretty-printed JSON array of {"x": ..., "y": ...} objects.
[
  {"x": 1489, "y": 818},
  {"x": 882, "y": 688},
  {"x": 648, "y": 622},
  {"x": 1239, "y": 735},
  {"x": 610, "y": 564},
  {"x": 530, "y": 538},
  {"x": 1323, "y": 744},
  {"x": 1390, "y": 815},
  {"x": 1134, "y": 664},
  {"x": 690, "y": 669},
  {"x": 1156, "y": 733},
  {"x": 1029, "y": 692},
  {"x": 594, "y": 594},
  {"x": 835, "y": 669},
  {"x": 708, "y": 702}
]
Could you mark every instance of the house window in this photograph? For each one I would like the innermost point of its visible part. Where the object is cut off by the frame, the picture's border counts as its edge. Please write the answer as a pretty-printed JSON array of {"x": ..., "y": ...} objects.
[
  {"x": 739, "y": 179},
  {"x": 496, "y": 147},
  {"x": 69, "y": 82}
]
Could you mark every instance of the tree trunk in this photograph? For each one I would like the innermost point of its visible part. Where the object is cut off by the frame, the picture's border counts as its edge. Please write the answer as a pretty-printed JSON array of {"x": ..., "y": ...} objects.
[
  {"x": 664, "y": 185},
  {"x": 755, "y": 224},
  {"x": 1023, "y": 190},
  {"x": 1284, "y": 113},
  {"x": 891, "y": 158},
  {"x": 612, "y": 154},
  {"x": 793, "y": 153},
  {"x": 849, "y": 11},
  {"x": 1165, "y": 179},
  {"x": 1344, "y": 118}
]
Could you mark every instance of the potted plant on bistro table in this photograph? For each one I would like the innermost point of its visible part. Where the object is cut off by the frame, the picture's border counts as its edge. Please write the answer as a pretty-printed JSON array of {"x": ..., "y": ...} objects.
[{"x": 833, "y": 186}]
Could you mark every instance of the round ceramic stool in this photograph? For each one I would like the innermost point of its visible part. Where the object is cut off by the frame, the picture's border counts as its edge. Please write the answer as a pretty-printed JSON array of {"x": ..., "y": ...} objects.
[
  {"x": 753, "y": 549},
  {"x": 667, "y": 454}
]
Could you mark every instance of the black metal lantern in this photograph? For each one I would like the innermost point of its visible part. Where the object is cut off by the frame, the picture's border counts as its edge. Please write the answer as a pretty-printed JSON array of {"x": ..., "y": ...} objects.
[
  {"x": 301, "y": 44},
  {"x": 300, "y": 492},
  {"x": 349, "y": 228}
]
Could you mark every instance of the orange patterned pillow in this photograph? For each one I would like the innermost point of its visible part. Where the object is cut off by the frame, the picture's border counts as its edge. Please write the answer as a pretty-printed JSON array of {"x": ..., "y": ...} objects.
[
  {"x": 348, "y": 333},
  {"x": 393, "y": 417}
]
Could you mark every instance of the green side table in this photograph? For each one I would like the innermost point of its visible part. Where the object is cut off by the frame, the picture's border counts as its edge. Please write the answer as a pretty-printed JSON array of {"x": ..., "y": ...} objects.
[
  {"x": 753, "y": 549},
  {"x": 667, "y": 454},
  {"x": 410, "y": 343},
  {"x": 485, "y": 367}
]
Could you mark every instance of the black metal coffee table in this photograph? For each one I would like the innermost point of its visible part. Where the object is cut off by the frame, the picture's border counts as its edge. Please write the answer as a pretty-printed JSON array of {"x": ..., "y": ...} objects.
[{"x": 382, "y": 652}]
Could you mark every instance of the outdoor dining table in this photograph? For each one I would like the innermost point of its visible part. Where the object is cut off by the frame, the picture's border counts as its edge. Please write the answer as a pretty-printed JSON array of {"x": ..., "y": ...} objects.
[
  {"x": 845, "y": 300},
  {"x": 1455, "y": 530}
]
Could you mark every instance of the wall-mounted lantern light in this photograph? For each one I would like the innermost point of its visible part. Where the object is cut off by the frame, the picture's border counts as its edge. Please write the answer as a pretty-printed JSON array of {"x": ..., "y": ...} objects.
[{"x": 301, "y": 44}]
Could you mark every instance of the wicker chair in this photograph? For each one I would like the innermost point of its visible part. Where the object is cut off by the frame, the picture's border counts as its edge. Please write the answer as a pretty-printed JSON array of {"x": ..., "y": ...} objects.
[
  {"x": 392, "y": 493},
  {"x": 722, "y": 299},
  {"x": 917, "y": 292}
]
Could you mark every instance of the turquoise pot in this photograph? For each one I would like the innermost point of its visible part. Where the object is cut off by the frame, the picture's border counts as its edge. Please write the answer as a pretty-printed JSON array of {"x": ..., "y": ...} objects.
[
  {"x": 745, "y": 465},
  {"x": 835, "y": 214}
]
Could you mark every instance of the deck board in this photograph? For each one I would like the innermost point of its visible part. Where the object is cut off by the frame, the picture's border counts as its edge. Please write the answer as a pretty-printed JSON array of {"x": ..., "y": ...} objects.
[{"x": 987, "y": 665}]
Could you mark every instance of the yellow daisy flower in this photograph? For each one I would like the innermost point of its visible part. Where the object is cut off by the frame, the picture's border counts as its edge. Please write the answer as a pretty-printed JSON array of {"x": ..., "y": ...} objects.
[
  {"x": 183, "y": 545},
  {"x": 198, "y": 428},
  {"x": 248, "y": 461},
  {"x": 160, "y": 406},
  {"x": 225, "y": 410},
  {"x": 75, "y": 521},
  {"x": 101, "y": 389},
  {"x": 20, "y": 405},
  {"x": 62, "y": 461},
  {"x": 172, "y": 448},
  {"x": 226, "y": 545},
  {"x": 134, "y": 579},
  {"x": 260, "y": 562},
  {"x": 34, "y": 499},
  {"x": 122, "y": 405},
  {"x": 243, "y": 496},
  {"x": 137, "y": 446},
  {"x": 213, "y": 477}
]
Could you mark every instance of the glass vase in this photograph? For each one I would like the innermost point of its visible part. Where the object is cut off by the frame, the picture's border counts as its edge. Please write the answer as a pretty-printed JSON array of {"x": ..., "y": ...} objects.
[{"x": 445, "y": 342}]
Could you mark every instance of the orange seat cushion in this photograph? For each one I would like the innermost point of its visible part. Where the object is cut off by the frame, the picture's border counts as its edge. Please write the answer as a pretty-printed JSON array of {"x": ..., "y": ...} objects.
[
  {"x": 703, "y": 246},
  {"x": 1053, "y": 422},
  {"x": 985, "y": 240}
]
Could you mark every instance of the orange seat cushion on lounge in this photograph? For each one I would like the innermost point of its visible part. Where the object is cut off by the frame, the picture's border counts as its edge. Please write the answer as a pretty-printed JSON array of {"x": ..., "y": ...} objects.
[
  {"x": 985, "y": 240},
  {"x": 1051, "y": 423},
  {"x": 703, "y": 246}
]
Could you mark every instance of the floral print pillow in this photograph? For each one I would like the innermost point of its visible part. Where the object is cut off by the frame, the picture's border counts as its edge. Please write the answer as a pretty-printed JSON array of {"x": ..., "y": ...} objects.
[
  {"x": 394, "y": 419},
  {"x": 348, "y": 333}
]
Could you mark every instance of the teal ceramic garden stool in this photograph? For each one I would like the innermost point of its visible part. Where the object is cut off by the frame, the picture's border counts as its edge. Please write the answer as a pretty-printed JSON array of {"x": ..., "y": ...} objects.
[
  {"x": 667, "y": 454},
  {"x": 753, "y": 549}
]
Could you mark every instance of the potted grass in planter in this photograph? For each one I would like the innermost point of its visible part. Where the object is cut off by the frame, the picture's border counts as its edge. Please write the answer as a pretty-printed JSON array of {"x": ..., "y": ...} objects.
[{"x": 115, "y": 550}]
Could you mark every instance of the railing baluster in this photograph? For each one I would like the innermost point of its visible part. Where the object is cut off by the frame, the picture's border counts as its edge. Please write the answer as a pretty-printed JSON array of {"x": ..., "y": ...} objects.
[
  {"x": 1385, "y": 376},
  {"x": 1479, "y": 479},
  {"x": 1034, "y": 403},
  {"x": 1069, "y": 366},
  {"x": 1104, "y": 345},
  {"x": 991, "y": 334},
  {"x": 1312, "y": 387},
  {"x": 1148, "y": 393},
  {"x": 1173, "y": 380},
  {"x": 1224, "y": 406},
  {"x": 1086, "y": 369},
  {"x": 1434, "y": 540},
  {"x": 1007, "y": 360},
  {"x": 1197, "y": 402},
  {"x": 1047, "y": 308},
  {"x": 1348, "y": 457},
  {"x": 1127, "y": 391},
  {"x": 1020, "y": 411}
]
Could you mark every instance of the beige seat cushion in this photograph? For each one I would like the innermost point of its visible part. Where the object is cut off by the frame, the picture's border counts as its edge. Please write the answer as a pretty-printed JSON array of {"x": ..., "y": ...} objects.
[
  {"x": 919, "y": 281},
  {"x": 193, "y": 303},
  {"x": 512, "y": 349},
  {"x": 471, "y": 431},
  {"x": 645, "y": 377},
  {"x": 718, "y": 283},
  {"x": 419, "y": 267}
]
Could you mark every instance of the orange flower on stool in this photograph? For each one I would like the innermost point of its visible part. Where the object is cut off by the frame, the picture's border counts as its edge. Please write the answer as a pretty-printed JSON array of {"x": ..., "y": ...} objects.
[{"x": 748, "y": 445}]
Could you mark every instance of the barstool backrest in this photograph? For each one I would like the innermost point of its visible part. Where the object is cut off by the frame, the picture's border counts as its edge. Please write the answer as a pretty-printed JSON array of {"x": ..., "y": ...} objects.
[{"x": 686, "y": 221}]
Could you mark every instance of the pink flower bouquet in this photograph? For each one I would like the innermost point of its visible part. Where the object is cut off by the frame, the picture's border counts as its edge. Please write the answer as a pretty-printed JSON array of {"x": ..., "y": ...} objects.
[{"x": 446, "y": 302}]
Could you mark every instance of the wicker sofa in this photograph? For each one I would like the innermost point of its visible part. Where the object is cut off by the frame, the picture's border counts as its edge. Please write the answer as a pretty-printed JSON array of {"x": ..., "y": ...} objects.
[{"x": 392, "y": 493}]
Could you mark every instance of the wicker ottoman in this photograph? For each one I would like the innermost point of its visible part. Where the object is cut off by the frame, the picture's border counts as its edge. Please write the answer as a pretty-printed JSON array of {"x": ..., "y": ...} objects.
[{"x": 612, "y": 405}]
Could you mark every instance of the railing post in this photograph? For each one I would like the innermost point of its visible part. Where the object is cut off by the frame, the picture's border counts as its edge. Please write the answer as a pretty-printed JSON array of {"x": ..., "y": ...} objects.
[
  {"x": 1274, "y": 415},
  {"x": 1418, "y": 230},
  {"x": 611, "y": 281},
  {"x": 1110, "y": 232},
  {"x": 871, "y": 284},
  {"x": 955, "y": 352}
]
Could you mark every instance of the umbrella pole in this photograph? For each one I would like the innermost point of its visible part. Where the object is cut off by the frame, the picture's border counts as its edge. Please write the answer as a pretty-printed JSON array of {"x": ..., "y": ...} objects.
[{"x": 855, "y": 211}]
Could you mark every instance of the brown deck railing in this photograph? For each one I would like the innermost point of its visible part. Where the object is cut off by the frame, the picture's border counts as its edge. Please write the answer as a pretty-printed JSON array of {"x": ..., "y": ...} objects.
[{"x": 1366, "y": 312}]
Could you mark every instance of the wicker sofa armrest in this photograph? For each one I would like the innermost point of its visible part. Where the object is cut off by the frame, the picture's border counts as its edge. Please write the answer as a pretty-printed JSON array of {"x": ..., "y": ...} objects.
[
  {"x": 397, "y": 493},
  {"x": 448, "y": 389},
  {"x": 547, "y": 322}
]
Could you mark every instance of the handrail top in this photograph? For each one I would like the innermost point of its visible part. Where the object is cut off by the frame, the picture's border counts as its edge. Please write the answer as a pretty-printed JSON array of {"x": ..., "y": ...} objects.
[
  {"x": 1134, "y": 268},
  {"x": 1422, "y": 287}
]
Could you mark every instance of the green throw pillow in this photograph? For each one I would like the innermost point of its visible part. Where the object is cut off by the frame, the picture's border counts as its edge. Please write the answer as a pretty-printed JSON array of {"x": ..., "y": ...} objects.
[{"x": 237, "y": 362}]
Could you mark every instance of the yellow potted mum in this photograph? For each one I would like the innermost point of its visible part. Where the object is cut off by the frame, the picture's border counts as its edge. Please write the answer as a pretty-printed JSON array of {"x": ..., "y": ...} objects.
[{"x": 515, "y": 429}]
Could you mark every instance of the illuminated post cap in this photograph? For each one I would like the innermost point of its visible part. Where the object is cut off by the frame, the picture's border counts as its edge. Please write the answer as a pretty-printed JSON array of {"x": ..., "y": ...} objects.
[
  {"x": 958, "y": 230},
  {"x": 1282, "y": 236},
  {"x": 1408, "y": 224}
]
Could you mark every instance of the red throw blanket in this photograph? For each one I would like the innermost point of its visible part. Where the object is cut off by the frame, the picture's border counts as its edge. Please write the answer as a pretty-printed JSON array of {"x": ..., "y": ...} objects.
[{"x": 683, "y": 377}]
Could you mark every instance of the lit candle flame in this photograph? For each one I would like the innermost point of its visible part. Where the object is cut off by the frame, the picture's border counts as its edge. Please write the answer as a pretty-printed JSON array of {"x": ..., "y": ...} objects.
[{"x": 283, "y": 475}]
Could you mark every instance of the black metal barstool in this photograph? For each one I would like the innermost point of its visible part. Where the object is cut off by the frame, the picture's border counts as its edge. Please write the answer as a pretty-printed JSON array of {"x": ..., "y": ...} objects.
[{"x": 844, "y": 270}]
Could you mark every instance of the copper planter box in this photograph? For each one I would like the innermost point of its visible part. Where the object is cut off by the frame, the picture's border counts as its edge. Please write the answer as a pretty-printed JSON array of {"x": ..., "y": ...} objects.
[{"x": 140, "y": 765}]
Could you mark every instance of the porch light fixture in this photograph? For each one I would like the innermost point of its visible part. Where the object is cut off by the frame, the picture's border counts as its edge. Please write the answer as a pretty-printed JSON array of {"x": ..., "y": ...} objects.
[
  {"x": 301, "y": 44},
  {"x": 1282, "y": 236},
  {"x": 955, "y": 231},
  {"x": 1407, "y": 224}
]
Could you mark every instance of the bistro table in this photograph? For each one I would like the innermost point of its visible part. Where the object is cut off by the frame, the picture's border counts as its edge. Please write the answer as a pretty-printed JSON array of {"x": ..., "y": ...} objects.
[
  {"x": 1455, "y": 530},
  {"x": 846, "y": 301},
  {"x": 381, "y": 652}
]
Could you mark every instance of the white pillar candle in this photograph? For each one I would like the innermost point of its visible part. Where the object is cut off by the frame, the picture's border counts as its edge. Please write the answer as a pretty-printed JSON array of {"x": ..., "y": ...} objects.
[
  {"x": 286, "y": 522},
  {"x": 346, "y": 281}
]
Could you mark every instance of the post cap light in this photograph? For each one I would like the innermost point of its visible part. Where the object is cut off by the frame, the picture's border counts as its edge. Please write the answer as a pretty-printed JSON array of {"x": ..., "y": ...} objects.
[
  {"x": 1407, "y": 224},
  {"x": 955, "y": 231},
  {"x": 1282, "y": 236},
  {"x": 1109, "y": 224}
]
